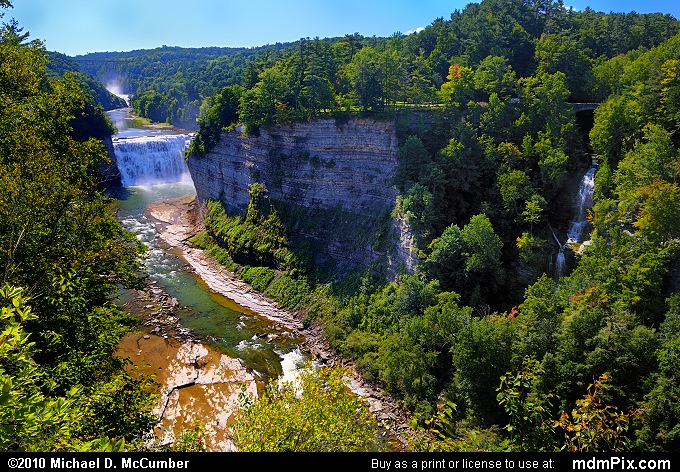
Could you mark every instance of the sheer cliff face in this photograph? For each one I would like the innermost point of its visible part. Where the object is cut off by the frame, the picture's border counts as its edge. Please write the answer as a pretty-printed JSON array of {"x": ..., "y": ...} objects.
[
  {"x": 110, "y": 172},
  {"x": 321, "y": 166}
]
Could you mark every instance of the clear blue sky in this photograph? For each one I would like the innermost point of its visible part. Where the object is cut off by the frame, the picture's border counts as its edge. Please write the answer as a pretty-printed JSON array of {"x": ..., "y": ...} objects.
[{"x": 80, "y": 26}]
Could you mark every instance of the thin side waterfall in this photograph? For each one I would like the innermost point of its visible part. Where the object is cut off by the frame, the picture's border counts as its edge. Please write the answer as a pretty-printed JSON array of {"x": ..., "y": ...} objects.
[
  {"x": 578, "y": 225},
  {"x": 150, "y": 160},
  {"x": 560, "y": 263},
  {"x": 585, "y": 201},
  {"x": 560, "y": 260}
]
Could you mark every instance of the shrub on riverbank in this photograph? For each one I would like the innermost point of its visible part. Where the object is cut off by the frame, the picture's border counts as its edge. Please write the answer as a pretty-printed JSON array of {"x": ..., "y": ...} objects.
[{"x": 315, "y": 413}]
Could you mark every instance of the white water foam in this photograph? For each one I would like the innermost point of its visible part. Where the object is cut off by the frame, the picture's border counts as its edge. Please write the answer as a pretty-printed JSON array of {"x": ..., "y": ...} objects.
[
  {"x": 292, "y": 365},
  {"x": 585, "y": 201},
  {"x": 151, "y": 160}
]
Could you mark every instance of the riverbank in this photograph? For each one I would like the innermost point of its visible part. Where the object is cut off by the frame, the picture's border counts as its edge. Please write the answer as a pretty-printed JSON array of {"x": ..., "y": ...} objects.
[{"x": 176, "y": 221}]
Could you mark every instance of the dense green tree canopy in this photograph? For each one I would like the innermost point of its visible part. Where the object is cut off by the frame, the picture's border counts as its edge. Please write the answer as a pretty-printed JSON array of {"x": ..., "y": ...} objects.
[
  {"x": 484, "y": 340},
  {"x": 483, "y": 327},
  {"x": 63, "y": 256}
]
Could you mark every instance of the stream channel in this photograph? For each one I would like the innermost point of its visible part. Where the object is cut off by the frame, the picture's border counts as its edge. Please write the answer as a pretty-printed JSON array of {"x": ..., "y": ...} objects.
[{"x": 230, "y": 343}]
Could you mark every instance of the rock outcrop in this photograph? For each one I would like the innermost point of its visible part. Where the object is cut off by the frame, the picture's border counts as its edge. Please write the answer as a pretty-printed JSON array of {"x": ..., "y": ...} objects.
[
  {"x": 197, "y": 383},
  {"x": 317, "y": 168},
  {"x": 109, "y": 172}
]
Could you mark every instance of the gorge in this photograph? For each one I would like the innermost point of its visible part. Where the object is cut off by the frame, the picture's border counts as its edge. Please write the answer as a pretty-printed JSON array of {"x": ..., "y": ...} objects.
[
  {"x": 200, "y": 343},
  {"x": 413, "y": 212},
  {"x": 335, "y": 178},
  {"x": 207, "y": 332}
]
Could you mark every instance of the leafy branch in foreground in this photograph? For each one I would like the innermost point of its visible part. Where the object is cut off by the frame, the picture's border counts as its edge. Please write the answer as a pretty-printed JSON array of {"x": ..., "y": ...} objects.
[
  {"x": 30, "y": 420},
  {"x": 594, "y": 426}
]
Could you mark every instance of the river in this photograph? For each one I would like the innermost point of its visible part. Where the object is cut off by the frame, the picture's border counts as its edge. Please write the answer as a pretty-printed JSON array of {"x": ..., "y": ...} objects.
[{"x": 152, "y": 167}]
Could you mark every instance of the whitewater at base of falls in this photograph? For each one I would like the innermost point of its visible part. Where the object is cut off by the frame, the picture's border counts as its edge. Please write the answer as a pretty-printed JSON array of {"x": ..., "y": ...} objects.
[{"x": 150, "y": 160}]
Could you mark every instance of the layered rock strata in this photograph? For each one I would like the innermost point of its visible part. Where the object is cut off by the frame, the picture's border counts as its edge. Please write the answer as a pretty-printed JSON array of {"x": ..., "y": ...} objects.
[{"x": 322, "y": 166}]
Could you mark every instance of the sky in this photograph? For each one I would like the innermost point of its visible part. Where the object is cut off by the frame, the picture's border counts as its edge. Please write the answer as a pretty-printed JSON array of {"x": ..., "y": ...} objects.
[{"x": 76, "y": 27}]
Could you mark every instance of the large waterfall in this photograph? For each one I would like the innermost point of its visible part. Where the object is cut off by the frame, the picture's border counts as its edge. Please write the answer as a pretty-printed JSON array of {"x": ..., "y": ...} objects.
[{"x": 149, "y": 160}]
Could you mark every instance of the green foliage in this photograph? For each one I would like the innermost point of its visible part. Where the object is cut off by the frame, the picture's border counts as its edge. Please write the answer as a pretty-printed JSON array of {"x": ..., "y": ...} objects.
[
  {"x": 529, "y": 410},
  {"x": 482, "y": 185},
  {"x": 483, "y": 246},
  {"x": 616, "y": 121},
  {"x": 366, "y": 75},
  {"x": 189, "y": 440},
  {"x": 120, "y": 407},
  {"x": 533, "y": 208},
  {"x": 495, "y": 76},
  {"x": 658, "y": 428},
  {"x": 264, "y": 103},
  {"x": 482, "y": 354},
  {"x": 417, "y": 206},
  {"x": 461, "y": 259},
  {"x": 445, "y": 261},
  {"x": 651, "y": 159},
  {"x": 220, "y": 115},
  {"x": 458, "y": 91},
  {"x": 560, "y": 52},
  {"x": 594, "y": 426},
  {"x": 60, "y": 241},
  {"x": 515, "y": 188},
  {"x": 658, "y": 218},
  {"x": 259, "y": 238},
  {"x": 493, "y": 40},
  {"x": 531, "y": 249},
  {"x": 30, "y": 420},
  {"x": 300, "y": 417},
  {"x": 540, "y": 317},
  {"x": 412, "y": 158}
]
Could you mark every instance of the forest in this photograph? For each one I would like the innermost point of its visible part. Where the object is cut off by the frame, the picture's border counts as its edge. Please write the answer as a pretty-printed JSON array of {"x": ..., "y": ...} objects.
[
  {"x": 483, "y": 346},
  {"x": 63, "y": 255}
]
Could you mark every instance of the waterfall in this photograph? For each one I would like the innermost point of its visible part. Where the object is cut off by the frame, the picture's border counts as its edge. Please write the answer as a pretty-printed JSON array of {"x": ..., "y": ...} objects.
[
  {"x": 560, "y": 262},
  {"x": 578, "y": 224},
  {"x": 150, "y": 160},
  {"x": 585, "y": 201}
]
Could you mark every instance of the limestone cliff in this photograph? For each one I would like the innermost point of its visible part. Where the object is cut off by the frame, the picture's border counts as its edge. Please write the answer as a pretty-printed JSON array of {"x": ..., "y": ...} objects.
[{"x": 337, "y": 175}]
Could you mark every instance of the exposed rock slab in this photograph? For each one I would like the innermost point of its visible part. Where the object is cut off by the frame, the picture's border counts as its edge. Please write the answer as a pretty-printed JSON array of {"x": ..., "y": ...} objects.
[{"x": 196, "y": 381}]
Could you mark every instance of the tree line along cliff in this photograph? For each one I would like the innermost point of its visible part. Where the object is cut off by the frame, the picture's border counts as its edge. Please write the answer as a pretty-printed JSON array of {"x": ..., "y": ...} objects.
[
  {"x": 480, "y": 343},
  {"x": 485, "y": 189}
]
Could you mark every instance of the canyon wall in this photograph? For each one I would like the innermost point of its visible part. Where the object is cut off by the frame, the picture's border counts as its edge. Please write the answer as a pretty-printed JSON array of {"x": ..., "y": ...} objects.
[
  {"x": 109, "y": 172},
  {"x": 317, "y": 169}
]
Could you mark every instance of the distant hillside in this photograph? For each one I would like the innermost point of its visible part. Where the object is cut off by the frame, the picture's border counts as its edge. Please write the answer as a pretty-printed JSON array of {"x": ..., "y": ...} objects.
[
  {"x": 175, "y": 85},
  {"x": 59, "y": 64}
]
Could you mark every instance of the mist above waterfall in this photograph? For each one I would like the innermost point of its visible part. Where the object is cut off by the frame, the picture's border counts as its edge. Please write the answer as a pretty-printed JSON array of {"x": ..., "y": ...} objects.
[
  {"x": 151, "y": 160},
  {"x": 114, "y": 87}
]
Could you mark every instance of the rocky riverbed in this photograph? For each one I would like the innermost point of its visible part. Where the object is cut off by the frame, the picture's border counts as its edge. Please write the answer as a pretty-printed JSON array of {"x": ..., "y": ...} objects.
[
  {"x": 199, "y": 386},
  {"x": 175, "y": 221}
]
